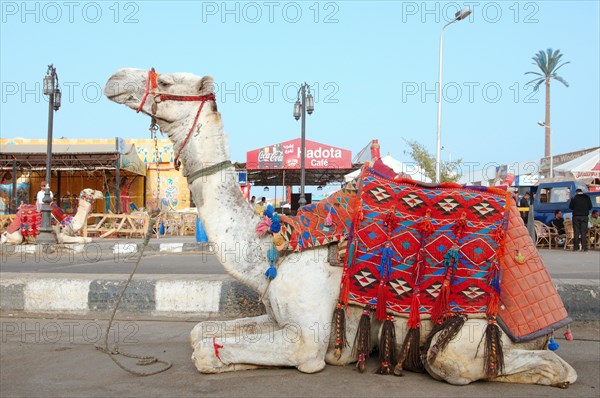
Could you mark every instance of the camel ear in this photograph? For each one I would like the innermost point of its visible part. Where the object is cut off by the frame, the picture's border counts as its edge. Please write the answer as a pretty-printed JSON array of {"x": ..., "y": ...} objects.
[{"x": 207, "y": 85}]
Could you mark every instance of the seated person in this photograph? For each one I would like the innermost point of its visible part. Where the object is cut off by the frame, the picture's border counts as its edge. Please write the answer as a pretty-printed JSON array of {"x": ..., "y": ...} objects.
[
  {"x": 594, "y": 220},
  {"x": 559, "y": 224}
]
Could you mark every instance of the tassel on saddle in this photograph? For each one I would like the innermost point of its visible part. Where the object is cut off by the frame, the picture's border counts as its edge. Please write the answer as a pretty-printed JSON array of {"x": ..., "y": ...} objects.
[
  {"x": 362, "y": 341},
  {"x": 387, "y": 347},
  {"x": 410, "y": 353},
  {"x": 447, "y": 332},
  {"x": 339, "y": 324},
  {"x": 493, "y": 354}
]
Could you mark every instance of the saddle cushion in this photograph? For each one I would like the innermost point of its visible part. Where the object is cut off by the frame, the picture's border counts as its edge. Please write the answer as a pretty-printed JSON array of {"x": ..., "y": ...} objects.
[{"x": 530, "y": 305}]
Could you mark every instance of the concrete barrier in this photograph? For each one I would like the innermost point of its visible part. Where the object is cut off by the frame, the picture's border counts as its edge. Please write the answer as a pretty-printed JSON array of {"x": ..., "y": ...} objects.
[
  {"x": 213, "y": 296},
  {"x": 188, "y": 295}
]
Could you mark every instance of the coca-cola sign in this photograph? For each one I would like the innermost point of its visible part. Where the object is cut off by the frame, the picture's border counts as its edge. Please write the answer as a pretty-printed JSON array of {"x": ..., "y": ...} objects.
[
  {"x": 288, "y": 155},
  {"x": 270, "y": 157}
]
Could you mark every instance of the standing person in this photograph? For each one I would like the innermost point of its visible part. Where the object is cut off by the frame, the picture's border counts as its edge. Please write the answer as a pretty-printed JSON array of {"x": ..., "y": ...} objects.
[
  {"x": 40, "y": 196},
  {"x": 253, "y": 201},
  {"x": 524, "y": 202},
  {"x": 581, "y": 205}
]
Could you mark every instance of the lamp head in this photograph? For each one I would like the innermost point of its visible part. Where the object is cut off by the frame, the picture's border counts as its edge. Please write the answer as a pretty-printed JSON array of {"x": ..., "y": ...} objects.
[
  {"x": 48, "y": 84},
  {"x": 297, "y": 109},
  {"x": 57, "y": 97},
  {"x": 310, "y": 103},
  {"x": 462, "y": 14}
]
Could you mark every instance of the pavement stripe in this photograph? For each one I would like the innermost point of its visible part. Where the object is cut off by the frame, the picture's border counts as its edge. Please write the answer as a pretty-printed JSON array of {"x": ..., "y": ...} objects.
[
  {"x": 188, "y": 296},
  {"x": 56, "y": 295},
  {"x": 171, "y": 247}
]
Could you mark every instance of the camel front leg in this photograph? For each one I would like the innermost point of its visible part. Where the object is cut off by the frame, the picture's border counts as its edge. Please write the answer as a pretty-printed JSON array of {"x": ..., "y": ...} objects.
[
  {"x": 11, "y": 239},
  {"x": 289, "y": 346},
  {"x": 235, "y": 327}
]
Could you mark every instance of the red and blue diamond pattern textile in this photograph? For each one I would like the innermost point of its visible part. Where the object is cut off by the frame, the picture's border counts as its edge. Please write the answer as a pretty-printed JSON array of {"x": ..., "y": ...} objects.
[
  {"x": 417, "y": 257},
  {"x": 317, "y": 224}
]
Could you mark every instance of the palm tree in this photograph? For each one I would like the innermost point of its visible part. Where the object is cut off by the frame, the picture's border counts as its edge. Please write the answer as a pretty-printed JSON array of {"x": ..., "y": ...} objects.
[{"x": 549, "y": 63}]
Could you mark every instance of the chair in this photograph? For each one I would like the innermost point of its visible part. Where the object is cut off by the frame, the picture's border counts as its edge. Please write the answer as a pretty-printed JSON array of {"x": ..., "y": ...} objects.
[
  {"x": 189, "y": 223},
  {"x": 569, "y": 234},
  {"x": 543, "y": 235},
  {"x": 556, "y": 237}
]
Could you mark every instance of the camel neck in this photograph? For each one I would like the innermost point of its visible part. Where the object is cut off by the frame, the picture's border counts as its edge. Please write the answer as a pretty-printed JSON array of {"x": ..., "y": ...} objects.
[{"x": 228, "y": 219}]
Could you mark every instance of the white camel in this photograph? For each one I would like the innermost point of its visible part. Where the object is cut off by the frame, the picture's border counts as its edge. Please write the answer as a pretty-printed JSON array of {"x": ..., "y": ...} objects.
[
  {"x": 300, "y": 301},
  {"x": 64, "y": 233}
]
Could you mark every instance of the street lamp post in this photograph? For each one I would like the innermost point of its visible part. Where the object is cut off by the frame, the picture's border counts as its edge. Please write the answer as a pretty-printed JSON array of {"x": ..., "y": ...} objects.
[
  {"x": 52, "y": 90},
  {"x": 459, "y": 16},
  {"x": 543, "y": 124},
  {"x": 300, "y": 109}
]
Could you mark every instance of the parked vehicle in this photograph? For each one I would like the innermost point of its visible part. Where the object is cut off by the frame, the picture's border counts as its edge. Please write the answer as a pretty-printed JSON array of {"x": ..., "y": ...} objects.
[
  {"x": 552, "y": 196},
  {"x": 595, "y": 197}
]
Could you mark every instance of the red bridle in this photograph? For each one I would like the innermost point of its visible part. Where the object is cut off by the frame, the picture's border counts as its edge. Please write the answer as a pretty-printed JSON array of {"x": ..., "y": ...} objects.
[{"x": 151, "y": 87}]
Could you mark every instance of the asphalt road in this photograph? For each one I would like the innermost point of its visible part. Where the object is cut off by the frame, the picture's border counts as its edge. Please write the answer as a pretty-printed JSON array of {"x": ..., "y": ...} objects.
[
  {"x": 53, "y": 358},
  {"x": 180, "y": 263},
  {"x": 561, "y": 264}
]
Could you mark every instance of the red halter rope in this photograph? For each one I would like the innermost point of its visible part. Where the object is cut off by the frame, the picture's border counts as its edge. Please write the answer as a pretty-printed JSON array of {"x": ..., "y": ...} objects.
[{"x": 151, "y": 86}]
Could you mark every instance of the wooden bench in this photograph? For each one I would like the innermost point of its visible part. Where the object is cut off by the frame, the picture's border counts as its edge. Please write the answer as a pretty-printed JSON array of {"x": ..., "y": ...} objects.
[{"x": 129, "y": 225}]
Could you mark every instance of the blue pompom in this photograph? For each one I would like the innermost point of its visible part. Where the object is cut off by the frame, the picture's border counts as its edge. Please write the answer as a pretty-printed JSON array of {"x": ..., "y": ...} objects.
[
  {"x": 553, "y": 346},
  {"x": 275, "y": 227},
  {"x": 271, "y": 272},
  {"x": 269, "y": 211},
  {"x": 276, "y": 218}
]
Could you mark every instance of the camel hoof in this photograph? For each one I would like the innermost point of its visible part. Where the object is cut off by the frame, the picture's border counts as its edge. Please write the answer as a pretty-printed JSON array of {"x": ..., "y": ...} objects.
[
  {"x": 312, "y": 366},
  {"x": 564, "y": 385}
]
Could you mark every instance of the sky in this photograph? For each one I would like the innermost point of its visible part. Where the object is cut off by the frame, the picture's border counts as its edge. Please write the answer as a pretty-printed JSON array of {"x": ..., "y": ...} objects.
[{"x": 372, "y": 65}]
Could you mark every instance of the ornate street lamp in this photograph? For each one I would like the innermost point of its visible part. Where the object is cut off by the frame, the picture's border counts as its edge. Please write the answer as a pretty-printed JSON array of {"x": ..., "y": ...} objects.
[
  {"x": 300, "y": 109},
  {"x": 459, "y": 16},
  {"x": 52, "y": 90}
]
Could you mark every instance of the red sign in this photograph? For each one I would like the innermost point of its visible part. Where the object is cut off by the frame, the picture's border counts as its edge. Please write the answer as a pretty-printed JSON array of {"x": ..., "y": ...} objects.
[{"x": 287, "y": 155}]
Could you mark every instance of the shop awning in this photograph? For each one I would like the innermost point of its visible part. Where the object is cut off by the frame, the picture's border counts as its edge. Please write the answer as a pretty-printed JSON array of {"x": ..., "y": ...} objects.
[
  {"x": 72, "y": 157},
  {"x": 280, "y": 164},
  {"x": 585, "y": 166}
]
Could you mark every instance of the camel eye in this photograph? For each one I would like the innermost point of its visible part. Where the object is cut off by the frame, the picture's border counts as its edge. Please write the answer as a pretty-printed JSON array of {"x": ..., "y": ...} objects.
[{"x": 164, "y": 83}]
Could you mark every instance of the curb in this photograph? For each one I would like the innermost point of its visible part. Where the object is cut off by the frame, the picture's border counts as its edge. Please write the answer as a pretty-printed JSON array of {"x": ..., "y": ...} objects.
[
  {"x": 215, "y": 296},
  {"x": 180, "y": 296},
  {"x": 95, "y": 249},
  {"x": 581, "y": 298}
]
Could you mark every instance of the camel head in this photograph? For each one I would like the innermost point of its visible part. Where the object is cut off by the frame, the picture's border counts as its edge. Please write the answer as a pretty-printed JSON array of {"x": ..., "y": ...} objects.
[
  {"x": 141, "y": 90},
  {"x": 91, "y": 195},
  {"x": 128, "y": 87}
]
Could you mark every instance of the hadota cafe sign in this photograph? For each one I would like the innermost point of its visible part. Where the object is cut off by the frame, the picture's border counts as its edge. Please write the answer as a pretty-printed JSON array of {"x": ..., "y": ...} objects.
[{"x": 288, "y": 155}]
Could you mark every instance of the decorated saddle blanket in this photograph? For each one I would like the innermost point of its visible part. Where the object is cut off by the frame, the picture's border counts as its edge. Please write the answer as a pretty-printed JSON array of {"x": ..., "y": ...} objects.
[
  {"x": 410, "y": 243},
  {"x": 28, "y": 219}
]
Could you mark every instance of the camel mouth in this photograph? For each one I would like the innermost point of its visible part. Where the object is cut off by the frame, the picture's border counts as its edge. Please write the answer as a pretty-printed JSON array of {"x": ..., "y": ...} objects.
[{"x": 124, "y": 98}]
